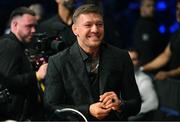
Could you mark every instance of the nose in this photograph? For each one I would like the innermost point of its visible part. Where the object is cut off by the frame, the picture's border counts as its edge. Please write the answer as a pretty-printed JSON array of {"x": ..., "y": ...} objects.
[
  {"x": 33, "y": 29},
  {"x": 94, "y": 28}
]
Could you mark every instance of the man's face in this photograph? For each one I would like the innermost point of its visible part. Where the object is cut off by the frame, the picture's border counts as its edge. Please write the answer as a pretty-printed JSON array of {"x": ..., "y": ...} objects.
[
  {"x": 69, "y": 4},
  {"x": 147, "y": 8},
  {"x": 178, "y": 11},
  {"x": 89, "y": 29},
  {"x": 25, "y": 27}
]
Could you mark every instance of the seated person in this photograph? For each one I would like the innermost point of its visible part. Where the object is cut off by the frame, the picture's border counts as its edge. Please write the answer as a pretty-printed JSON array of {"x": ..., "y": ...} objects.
[{"x": 146, "y": 88}]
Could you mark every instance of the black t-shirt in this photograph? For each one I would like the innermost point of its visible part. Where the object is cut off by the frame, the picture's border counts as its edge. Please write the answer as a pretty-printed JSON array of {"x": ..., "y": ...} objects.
[
  {"x": 175, "y": 50},
  {"x": 147, "y": 39}
]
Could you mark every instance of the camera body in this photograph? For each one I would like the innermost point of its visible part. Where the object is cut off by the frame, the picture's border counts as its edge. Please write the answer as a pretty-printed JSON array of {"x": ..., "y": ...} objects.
[
  {"x": 42, "y": 47},
  {"x": 5, "y": 96}
]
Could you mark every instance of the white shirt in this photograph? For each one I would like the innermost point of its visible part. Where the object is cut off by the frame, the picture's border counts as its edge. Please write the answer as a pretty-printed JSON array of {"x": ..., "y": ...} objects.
[{"x": 147, "y": 92}]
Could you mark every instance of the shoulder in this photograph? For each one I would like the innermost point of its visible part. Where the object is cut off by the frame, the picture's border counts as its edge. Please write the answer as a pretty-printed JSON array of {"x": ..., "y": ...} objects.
[
  {"x": 115, "y": 51},
  {"x": 60, "y": 57},
  {"x": 142, "y": 77},
  {"x": 6, "y": 42}
]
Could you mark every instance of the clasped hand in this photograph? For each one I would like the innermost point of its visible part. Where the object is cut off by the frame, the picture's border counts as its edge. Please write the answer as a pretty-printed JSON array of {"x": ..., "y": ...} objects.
[{"x": 107, "y": 102}]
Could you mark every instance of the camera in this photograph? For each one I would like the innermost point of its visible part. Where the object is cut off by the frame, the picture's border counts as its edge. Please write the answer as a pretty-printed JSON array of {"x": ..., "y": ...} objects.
[
  {"x": 4, "y": 96},
  {"x": 42, "y": 47}
]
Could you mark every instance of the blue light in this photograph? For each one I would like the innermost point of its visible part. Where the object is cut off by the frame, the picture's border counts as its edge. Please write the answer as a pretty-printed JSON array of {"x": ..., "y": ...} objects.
[
  {"x": 162, "y": 29},
  {"x": 161, "y": 6},
  {"x": 174, "y": 27}
]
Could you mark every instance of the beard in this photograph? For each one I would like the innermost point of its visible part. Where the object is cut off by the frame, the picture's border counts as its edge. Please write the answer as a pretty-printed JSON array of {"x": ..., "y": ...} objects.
[{"x": 70, "y": 5}]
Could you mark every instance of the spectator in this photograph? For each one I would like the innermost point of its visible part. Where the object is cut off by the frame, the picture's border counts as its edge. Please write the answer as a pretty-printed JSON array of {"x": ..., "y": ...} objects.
[
  {"x": 146, "y": 89},
  {"x": 146, "y": 38},
  {"x": 170, "y": 56},
  {"x": 91, "y": 76},
  {"x": 59, "y": 26},
  {"x": 39, "y": 10},
  {"x": 16, "y": 73}
]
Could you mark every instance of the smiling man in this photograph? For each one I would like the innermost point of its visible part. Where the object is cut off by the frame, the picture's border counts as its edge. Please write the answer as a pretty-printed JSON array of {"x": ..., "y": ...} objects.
[{"x": 91, "y": 76}]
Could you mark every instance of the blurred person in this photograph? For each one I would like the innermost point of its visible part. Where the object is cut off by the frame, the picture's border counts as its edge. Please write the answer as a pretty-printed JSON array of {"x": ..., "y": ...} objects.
[
  {"x": 146, "y": 38},
  {"x": 39, "y": 10},
  {"x": 146, "y": 88},
  {"x": 16, "y": 72},
  {"x": 60, "y": 26},
  {"x": 91, "y": 76},
  {"x": 170, "y": 56}
]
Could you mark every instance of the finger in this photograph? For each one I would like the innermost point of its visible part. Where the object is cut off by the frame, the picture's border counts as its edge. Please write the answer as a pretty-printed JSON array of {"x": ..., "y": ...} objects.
[
  {"x": 103, "y": 96},
  {"x": 107, "y": 100}
]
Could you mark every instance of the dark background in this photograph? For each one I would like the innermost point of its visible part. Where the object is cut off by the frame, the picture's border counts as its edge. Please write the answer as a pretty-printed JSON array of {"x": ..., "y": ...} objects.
[{"x": 123, "y": 13}]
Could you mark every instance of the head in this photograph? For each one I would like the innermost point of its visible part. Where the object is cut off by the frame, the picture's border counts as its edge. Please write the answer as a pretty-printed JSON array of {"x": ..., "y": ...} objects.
[
  {"x": 147, "y": 8},
  {"x": 22, "y": 24},
  {"x": 178, "y": 10},
  {"x": 38, "y": 9},
  {"x": 88, "y": 26},
  {"x": 68, "y": 4},
  {"x": 134, "y": 57}
]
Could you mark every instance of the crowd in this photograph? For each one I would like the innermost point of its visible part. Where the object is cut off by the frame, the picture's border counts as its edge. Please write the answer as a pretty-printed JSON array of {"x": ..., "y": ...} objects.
[{"x": 85, "y": 72}]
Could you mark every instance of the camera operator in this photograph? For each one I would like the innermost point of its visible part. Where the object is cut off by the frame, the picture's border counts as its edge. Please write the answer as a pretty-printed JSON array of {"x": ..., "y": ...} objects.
[
  {"x": 60, "y": 26},
  {"x": 16, "y": 72}
]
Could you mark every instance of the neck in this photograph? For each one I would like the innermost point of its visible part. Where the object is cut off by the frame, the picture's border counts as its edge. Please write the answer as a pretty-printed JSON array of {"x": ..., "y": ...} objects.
[
  {"x": 93, "y": 52},
  {"x": 65, "y": 15}
]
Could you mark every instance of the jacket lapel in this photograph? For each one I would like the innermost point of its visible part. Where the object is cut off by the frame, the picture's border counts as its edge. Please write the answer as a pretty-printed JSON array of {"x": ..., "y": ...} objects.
[
  {"x": 80, "y": 69},
  {"x": 103, "y": 73}
]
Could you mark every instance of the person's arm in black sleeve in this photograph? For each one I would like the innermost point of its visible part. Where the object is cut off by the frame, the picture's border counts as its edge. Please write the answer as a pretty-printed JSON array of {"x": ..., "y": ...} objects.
[{"x": 130, "y": 96}]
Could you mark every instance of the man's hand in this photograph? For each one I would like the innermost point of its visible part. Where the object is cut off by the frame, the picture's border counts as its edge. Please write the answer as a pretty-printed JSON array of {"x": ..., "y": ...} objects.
[
  {"x": 41, "y": 73},
  {"x": 110, "y": 100},
  {"x": 162, "y": 75},
  {"x": 97, "y": 110}
]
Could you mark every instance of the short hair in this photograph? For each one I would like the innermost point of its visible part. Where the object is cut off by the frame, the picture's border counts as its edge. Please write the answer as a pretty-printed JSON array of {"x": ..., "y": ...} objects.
[
  {"x": 20, "y": 12},
  {"x": 142, "y": 2},
  {"x": 87, "y": 8}
]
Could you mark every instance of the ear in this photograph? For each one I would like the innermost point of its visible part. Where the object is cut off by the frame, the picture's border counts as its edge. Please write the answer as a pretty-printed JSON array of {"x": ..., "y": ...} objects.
[
  {"x": 14, "y": 24},
  {"x": 74, "y": 29}
]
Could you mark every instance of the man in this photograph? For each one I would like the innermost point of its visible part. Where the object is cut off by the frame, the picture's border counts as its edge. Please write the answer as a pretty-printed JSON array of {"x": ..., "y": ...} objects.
[
  {"x": 170, "y": 56},
  {"x": 146, "y": 89},
  {"x": 92, "y": 77},
  {"x": 59, "y": 26},
  {"x": 16, "y": 73},
  {"x": 147, "y": 39}
]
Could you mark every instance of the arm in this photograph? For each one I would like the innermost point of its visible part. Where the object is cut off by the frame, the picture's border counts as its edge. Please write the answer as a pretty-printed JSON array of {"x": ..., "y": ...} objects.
[
  {"x": 15, "y": 75},
  {"x": 159, "y": 61},
  {"x": 15, "y": 72},
  {"x": 162, "y": 75},
  {"x": 57, "y": 95},
  {"x": 130, "y": 93}
]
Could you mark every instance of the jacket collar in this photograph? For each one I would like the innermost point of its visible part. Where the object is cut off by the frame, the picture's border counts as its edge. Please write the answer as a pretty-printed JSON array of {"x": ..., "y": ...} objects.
[{"x": 78, "y": 64}]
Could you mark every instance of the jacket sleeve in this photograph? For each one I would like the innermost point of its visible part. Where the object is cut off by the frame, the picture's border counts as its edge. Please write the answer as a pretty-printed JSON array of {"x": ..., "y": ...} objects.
[
  {"x": 55, "y": 91},
  {"x": 130, "y": 94},
  {"x": 12, "y": 75}
]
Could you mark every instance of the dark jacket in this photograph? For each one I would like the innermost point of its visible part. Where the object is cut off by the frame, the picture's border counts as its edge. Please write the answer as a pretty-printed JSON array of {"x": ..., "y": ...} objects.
[
  {"x": 16, "y": 74},
  {"x": 67, "y": 81}
]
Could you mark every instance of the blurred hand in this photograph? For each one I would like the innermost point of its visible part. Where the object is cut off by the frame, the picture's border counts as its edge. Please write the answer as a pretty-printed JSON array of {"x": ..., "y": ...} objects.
[
  {"x": 41, "y": 73},
  {"x": 97, "y": 110},
  {"x": 162, "y": 75},
  {"x": 110, "y": 100}
]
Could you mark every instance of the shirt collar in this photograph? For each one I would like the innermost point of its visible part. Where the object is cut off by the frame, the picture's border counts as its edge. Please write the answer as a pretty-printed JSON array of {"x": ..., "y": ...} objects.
[{"x": 83, "y": 54}]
